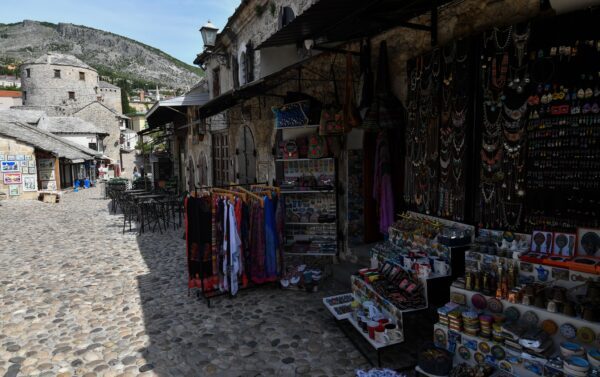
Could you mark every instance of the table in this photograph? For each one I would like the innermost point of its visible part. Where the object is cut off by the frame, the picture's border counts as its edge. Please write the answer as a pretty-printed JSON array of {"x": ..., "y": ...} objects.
[{"x": 141, "y": 197}]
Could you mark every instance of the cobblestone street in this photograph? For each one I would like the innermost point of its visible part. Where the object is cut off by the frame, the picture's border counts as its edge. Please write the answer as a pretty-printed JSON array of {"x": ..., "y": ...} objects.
[{"x": 79, "y": 298}]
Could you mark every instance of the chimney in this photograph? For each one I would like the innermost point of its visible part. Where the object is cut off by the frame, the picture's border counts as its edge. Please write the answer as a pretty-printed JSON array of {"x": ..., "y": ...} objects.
[{"x": 141, "y": 96}]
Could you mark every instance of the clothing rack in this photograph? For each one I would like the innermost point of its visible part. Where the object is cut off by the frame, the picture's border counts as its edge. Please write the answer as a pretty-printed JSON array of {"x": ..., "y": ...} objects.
[{"x": 221, "y": 191}]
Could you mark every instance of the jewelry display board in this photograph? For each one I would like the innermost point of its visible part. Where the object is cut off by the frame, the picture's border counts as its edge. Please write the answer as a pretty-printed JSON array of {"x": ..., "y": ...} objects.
[{"x": 437, "y": 131}]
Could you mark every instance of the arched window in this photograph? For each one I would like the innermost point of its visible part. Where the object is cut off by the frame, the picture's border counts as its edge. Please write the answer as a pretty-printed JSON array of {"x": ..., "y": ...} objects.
[{"x": 286, "y": 15}]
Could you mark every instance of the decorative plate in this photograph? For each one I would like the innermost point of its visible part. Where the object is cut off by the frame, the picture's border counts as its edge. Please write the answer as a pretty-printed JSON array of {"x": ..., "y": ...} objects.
[
  {"x": 479, "y": 358},
  {"x": 530, "y": 318},
  {"x": 478, "y": 301},
  {"x": 464, "y": 353},
  {"x": 568, "y": 331},
  {"x": 550, "y": 327},
  {"x": 505, "y": 366},
  {"x": 440, "y": 337},
  {"x": 471, "y": 344},
  {"x": 498, "y": 352},
  {"x": 512, "y": 314},
  {"x": 585, "y": 335},
  {"x": 484, "y": 347},
  {"x": 494, "y": 305}
]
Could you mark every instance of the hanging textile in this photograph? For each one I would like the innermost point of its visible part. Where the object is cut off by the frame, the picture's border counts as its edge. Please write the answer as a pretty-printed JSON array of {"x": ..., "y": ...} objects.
[{"x": 382, "y": 187}]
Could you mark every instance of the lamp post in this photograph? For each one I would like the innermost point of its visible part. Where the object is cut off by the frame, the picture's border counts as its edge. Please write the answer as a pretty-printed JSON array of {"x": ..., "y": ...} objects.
[{"x": 209, "y": 34}]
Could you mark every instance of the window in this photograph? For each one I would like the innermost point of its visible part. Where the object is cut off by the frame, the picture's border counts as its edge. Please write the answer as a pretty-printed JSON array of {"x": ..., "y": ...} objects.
[
  {"x": 24, "y": 95},
  {"x": 235, "y": 71},
  {"x": 216, "y": 83},
  {"x": 57, "y": 73},
  {"x": 93, "y": 146},
  {"x": 71, "y": 95},
  {"x": 286, "y": 15},
  {"x": 248, "y": 65},
  {"x": 82, "y": 76},
  {"x": 28, "y": 71},
  {"x": 221, "y": 159}
]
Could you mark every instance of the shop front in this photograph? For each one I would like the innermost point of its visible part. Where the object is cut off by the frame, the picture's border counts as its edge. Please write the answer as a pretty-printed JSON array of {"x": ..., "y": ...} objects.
[{"x": 484, "y": 188}]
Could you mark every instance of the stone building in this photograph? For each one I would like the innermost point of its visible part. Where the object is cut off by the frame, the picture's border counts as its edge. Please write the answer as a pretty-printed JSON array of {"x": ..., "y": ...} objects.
[
  {"x": 62, "y": 85},
  {"x": 264, "y": 52},
  {"x": 9, "y": 98}
]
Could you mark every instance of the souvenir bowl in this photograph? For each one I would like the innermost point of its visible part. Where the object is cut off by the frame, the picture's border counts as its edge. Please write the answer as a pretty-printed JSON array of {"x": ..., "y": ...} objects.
[
  {"x": 568, "y": 331},
  {"x": 593, "y": 357},
  {"x": 478, "y": 301},
  {"x": 568, "y": 349},
  {"x": 586, "y": 335},
  {"x": 577, "y": 364}
]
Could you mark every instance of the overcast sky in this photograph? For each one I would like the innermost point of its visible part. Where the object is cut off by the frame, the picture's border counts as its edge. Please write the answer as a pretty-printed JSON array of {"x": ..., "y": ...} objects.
[{"x": 170, "y": 25}]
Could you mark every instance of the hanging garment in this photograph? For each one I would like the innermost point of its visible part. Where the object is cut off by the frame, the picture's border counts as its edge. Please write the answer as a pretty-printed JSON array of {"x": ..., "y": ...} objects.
[
  {"x": 235, "y": 248},
  {"x": 257, "y": 244},
  {"x": 271, "y": 240},
  {"x": 382, "y": 186}
]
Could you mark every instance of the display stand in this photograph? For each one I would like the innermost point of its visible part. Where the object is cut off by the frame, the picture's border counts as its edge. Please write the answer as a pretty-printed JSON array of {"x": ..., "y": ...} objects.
[
  {"x": 348, "y": 318},
  {"x": 309, "y": 190}
]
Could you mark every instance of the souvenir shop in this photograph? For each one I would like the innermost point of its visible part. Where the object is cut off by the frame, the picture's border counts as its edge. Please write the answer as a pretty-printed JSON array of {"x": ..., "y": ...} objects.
[{"x": 499, "y": 238}]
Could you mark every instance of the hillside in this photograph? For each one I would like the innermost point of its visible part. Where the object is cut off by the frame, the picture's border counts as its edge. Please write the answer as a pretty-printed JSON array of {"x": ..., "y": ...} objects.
[{"x": 112, "y": 55}]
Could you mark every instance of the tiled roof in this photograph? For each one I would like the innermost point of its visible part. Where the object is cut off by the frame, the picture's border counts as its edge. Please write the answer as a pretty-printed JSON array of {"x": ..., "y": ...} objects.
[
  {"x": 56, "y": 58},
  {"x": 68, "y": 125},
  {"x": 10, "y": 93}
]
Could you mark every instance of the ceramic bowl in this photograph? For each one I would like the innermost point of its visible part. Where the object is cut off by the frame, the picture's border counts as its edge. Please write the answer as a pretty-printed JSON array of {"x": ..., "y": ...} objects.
[
  {"x": 577, "y": 364},
  {"x": 593, "y": 357},
  {"x": 568, "y": 349}
]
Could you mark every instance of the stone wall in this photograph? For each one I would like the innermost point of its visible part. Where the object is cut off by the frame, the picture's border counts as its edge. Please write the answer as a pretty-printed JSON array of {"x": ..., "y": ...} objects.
[
  {"x": 11, "y": 147},
  {"x": 128, "y": 162},
  {"x": 108, "y": 122},
  {"x": 111, "y": 97},
  {"x": 46, "y": 91}
]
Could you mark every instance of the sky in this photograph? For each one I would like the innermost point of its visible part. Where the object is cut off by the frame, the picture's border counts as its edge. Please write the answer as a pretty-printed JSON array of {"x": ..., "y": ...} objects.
[{"x": 169, "y": 25}]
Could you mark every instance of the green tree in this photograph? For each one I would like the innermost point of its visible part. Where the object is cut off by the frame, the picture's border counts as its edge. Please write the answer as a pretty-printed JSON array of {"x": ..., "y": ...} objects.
[{"x": 125, "y": 102}]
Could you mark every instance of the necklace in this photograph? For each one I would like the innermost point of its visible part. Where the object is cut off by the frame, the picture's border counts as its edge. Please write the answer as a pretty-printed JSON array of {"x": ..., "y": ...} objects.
[
  {"x": 514, "y": 213},
  {"x": 458, "y": 147},
  {"x": 520, "y": 41},
  {"x": 513, "y": 137},
  {"x": 489, "y": 147},
  {"x": 508, "y": 32},
  {"x": 498, "y": 81},
  {"x": 515, "y": 114},
  {"x": 487, "y": 193},
  {"x": 493, "y": 160},
  {"x": 436, "y": 64}
]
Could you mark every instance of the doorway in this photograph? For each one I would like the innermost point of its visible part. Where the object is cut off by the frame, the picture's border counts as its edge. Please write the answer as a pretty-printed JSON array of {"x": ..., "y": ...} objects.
[{"x": 246, "y": 156}]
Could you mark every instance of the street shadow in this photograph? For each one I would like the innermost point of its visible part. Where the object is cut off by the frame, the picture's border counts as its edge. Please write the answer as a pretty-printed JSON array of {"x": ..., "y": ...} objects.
[{"x": 263, "y": 331}]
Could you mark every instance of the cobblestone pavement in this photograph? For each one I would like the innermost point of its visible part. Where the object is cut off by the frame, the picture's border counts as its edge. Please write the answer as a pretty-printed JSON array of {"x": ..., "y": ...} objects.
[{"x": 78, "y": 298}]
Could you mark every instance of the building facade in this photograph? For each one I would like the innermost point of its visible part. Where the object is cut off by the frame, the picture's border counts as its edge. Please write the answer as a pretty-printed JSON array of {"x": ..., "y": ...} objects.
[
  {"x": 9, "y": 98},
  {"x": 62, "y": 85}
]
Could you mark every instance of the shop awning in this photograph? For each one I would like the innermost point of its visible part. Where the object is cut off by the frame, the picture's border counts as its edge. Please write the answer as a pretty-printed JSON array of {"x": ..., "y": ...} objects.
[
  {"x": 330, "y": 21},
  {"x": 173, "y": 110}
]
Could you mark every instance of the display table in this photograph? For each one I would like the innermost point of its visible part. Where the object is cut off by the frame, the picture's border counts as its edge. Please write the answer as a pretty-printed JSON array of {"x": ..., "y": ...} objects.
[{"x": 342, "y": 319}]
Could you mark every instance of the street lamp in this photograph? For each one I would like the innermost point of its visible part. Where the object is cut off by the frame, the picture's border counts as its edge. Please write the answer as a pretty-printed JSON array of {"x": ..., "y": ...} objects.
[{"x": 209, "y": 34}]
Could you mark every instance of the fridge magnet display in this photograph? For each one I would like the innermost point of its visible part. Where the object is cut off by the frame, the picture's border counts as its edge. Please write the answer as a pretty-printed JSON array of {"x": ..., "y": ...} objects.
[
  {"x": 588, "y": 242},
  {"x": 20, "y": 157},
  {"x": 28, "y": 157},
  {"x": 12, "y": 178},
  {"x": 10, "y": 157},
  {"x": 541, "y": 242},
  {"x": 31, "y": 163},
  {"x": 13, "y": 190},
  {"x": 2, "y": 157},
  {"x": 29, "y": 183},
  {"x": 32, "y": 170},
  {"x": 9, "y": 166},
  {"x": 563, "y": 244},
  {"x": 24, "y": 170}
]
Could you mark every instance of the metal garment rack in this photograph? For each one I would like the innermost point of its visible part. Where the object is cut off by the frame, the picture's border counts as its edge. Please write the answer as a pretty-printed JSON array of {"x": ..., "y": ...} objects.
[{"x": 201, "y": 291}]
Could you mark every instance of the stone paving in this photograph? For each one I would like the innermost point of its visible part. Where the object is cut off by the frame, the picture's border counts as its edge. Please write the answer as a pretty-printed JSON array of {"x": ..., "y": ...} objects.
[{"x": 79, "y": 298}]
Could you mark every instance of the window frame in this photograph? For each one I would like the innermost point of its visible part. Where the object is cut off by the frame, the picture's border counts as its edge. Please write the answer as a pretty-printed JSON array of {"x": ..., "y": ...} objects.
[
  {"x": 57, "y": 74},
  {"x": 81, "y": 76},
  {"x": 221, "y": 160},
  {"x": 28, "y": 72},
  {"x": 71, "y": 95}
]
